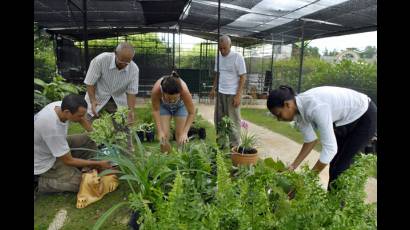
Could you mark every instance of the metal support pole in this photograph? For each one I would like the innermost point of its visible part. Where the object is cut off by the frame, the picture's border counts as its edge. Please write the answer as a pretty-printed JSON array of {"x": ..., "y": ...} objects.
[
  {"x": 301, "y": 57},
  {"x": 217, "y": 66},
  {"x": 206, "y": 55},
  {"x": 173, "y": 49},
  {"x": 168, "y": 48},
  {"x": 200, "y": 70},
  {"x": 179, "y": 50},
  {"x": 85, "y": 34},
  {"x": 271, "y": 66}
]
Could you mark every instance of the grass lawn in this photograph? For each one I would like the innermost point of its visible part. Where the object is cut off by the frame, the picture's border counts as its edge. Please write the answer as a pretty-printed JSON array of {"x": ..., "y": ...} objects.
[
  {"x": 46, "y": 206},
  {"x": 262, "y": 118}
]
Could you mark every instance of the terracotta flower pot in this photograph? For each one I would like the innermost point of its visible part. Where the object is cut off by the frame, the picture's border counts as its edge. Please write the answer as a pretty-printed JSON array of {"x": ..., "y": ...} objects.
[{"x": 243, "y": 159}]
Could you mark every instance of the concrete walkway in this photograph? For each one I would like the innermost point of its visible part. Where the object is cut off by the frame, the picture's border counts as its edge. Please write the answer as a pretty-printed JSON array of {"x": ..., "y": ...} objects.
[{"x": 276, "y": 146}]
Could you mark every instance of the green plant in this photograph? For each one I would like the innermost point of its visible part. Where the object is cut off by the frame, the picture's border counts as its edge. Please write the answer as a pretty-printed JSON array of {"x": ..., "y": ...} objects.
[
  {"x": 248, "y": 140},
  {"x": 224, "y": 130},
  {"x": 44, "y": 58},
  {"x": 58, "y": 88},
  {"x": 111, "y": 129},
  {"x": 39, "y": 101},
  {"x": 147, "y": 127},
  {"x": 194, "y": 189}
]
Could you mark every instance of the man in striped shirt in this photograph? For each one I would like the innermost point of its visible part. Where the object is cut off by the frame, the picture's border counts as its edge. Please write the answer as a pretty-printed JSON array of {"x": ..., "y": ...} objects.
[{"x": 112, "y": 80}]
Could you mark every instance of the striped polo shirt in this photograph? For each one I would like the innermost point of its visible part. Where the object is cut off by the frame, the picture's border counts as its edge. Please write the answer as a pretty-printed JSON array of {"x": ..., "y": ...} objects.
[{"x": 110, "y": 81}]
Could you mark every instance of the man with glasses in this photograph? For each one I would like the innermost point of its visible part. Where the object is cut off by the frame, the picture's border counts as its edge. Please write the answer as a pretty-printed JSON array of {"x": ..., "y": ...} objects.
[{"x": 112, "y": 80}]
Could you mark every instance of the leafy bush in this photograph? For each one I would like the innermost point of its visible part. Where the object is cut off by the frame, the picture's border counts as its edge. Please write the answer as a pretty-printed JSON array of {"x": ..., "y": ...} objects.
[
  {"x": 360, "y": 76},
  {"x": 58, "y": 88},
  {"x": 53, "y": 91},
  {"x": 181, "y": 190},
  {"x": 44, "y": 59}
]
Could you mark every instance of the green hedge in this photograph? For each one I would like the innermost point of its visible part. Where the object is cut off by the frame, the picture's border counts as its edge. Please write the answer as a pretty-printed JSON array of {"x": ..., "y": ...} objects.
[{"x": 360, "y": 76}]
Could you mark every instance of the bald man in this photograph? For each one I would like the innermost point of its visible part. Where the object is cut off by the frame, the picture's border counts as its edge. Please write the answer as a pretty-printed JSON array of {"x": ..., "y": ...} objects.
[
  {"x": 112, "y": 80},
  {"x": 232, "y": 78}
]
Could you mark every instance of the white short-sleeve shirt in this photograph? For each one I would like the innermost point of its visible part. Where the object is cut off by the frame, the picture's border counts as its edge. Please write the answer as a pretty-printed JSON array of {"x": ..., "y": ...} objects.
[
  {"x": 231, "y": 67},
  {"x": 111, "y": 82},
  {"x": 50, "y": 138},
  {"x": 319, "y": 108}
]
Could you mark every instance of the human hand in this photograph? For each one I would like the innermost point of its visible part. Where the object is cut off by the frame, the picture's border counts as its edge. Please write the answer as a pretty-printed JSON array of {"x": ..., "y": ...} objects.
[
  {"x": 236, "y": 101},
  {"x": 292, "y": 167},
  {"x": 94, "y": 108},
  {"x": 182, "y": 139},
  {"x": 162, "y": 137},
  {"x": 104, "y": 165}
]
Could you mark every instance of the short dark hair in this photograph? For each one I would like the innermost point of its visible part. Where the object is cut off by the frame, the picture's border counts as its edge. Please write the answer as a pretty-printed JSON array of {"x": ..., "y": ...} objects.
[
  {"x": 72, "y": 102},
  {"x": 278, "y": 96},
  {"x": 171, "y": 84}
]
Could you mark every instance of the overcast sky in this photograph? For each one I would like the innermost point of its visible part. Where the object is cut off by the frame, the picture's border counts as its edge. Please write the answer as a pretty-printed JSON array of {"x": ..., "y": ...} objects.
[{"x": 359, "y": 41}]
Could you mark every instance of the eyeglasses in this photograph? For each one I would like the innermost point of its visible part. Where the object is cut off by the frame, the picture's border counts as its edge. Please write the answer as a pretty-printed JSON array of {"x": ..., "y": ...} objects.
[{"x": 121, "y": 62}]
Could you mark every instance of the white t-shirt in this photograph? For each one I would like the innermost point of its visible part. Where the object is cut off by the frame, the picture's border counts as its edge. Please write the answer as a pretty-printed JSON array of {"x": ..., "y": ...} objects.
[
  {"x": 230, "y": 67},
  {"x": 111, "y": 82},
  {"x": 320, "y": 107},
  {"x": 50, "y": 138}
]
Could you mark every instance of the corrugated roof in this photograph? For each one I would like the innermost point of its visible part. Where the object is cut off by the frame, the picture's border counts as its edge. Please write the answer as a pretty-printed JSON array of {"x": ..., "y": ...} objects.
[{"x": 246, "y": 21}]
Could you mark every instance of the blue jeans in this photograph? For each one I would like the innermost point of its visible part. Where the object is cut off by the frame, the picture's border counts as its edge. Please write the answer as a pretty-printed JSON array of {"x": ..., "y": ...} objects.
[{"x": 176, "y": 110}]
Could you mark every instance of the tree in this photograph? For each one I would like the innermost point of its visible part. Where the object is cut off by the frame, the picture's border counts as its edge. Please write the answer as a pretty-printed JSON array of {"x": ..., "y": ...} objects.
[
  {"x": 44, "y": 58},
  {"x": 369, "y": 52},
  {"x": 326, "y": 53},
  {"x": 333, "y": 53},
  {"x": 308, "y": 52}
]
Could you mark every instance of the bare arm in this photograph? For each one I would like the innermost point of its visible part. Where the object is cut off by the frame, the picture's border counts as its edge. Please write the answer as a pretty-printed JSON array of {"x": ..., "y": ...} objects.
[
  {"x": 212, "y": 93},
  {"x": 242, "y": 80},
  {"x": 91, "y": 93},
  {"x": 77, "y": 162},
  {"x": 319, "y": 166},
  {"x": 304, "y": 152},
  {"x": 131, "y": 101},
  {"x": 86, "y": 124},
  {"x": 93, "y": 100},
  {"x": 155, "y": 101},
  {"x": 187, "y": 98},
  {"x": 237, "y": 98}
]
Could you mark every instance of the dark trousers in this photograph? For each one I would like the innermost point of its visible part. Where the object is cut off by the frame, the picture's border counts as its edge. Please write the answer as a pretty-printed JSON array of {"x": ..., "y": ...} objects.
[{"x": 352, "y": 138}]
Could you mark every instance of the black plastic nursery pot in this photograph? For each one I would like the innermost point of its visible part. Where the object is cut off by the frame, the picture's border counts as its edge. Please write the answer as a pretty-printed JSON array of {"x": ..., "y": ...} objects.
[
  {"x": 134, "y": 217},
  {"x": 192, "y": 131},
  {"x": 202, "y": 133},
  {"x": 141, "y": 135},
  {"x": 150, "y": 136}
]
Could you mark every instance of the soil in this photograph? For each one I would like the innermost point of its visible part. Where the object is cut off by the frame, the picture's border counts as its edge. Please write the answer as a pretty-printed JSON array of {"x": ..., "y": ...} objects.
[{"x": 247, "y": 150}]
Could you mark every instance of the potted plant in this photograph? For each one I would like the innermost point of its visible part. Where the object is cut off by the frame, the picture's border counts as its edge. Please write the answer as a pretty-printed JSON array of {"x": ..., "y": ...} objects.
[
  {"x": 140, "y": 132},
  {"x": 149, "y": 131},
  {"x": 192, "y": 130},
  {"x": 199, "y": 127},
  {"x": 225, "y": 128},
  {"x": 245, "y": 153}
]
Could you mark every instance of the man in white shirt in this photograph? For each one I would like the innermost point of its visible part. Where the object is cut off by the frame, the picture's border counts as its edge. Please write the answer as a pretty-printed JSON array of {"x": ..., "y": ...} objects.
[
  {"x": 345, "y": 119},
  {"x": 112, "y": 80},
  {"x": 54, "y": 163},
  {"x": 231, "y": 80}
]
